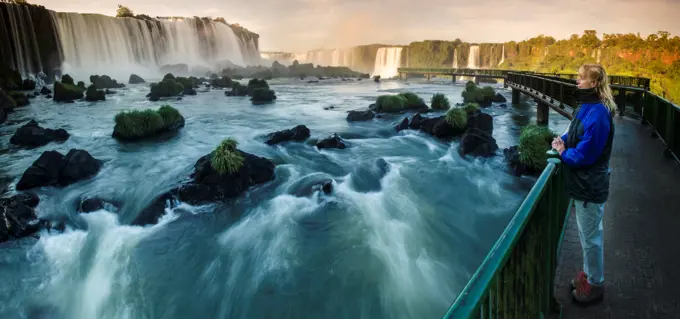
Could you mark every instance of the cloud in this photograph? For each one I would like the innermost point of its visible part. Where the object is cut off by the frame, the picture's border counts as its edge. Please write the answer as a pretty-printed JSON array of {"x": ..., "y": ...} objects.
[{"x": 300, "y": 25}]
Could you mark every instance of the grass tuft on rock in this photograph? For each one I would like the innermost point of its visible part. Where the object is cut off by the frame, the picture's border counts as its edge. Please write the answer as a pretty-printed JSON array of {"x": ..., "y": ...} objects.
[
  {"x": 226, "y": 159},
  {"x": 457, "y": 117},
  {"x": 471, "y": 108},
  {"x": 534, "y": 142},
  {"x": 169, "y": 114},
  {"x": 440, "y": 102},
  {"x": 475, "y": 94},
  {"x": 413, "y": 101},
  {"x": 390, "y": 103},
  {"x": 262, "y": 96},
  {"x": 140, "y": 123}
]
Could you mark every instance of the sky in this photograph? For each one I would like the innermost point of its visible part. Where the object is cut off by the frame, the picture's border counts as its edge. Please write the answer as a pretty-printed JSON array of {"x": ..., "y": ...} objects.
[{"x": 301, "y": 25}]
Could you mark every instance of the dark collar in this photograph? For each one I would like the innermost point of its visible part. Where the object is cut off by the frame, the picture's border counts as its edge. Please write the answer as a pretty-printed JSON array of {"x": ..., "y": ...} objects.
[{"x": 587, "y": 96}]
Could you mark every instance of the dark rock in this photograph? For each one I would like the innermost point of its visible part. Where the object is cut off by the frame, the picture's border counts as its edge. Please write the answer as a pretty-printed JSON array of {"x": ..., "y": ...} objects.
[
  {"x": 481, "y": 121},
  {"x": 17, "y": 216},
  {"x": 208, "y": 185},
  {"x": 307, "y": 185},
  {"x": 503, "y": 105},
  {"x": 31, "y": 134},
  {"x": 331, "y": 142},
  {"x": 179, "y": 98},
  {"x": 30, "y": 96},
  {"x": 19, "y": 98},
  {"x": 67, "y": 79},
  {"x": 416, "y": 122},
  {"x": 136, "y": 79},
  {"x": 355, "y": 116},
  {"x": 45, "y": 90},
  {"x": 108, "y": 92},
  {"x": 298, "y": 133},
  {"x": 477, "y": 142},
  {"x": 154, "y": 98},
  {"x": 189, "y": 91},
  {"x": 93, "y": 95},
  {"x": 91, "y": 205},
  {"x": 28, "y": 85},
  {"x": 7, "y": 105},
  {"x": 403, "y": 125},
  {"x": 518, "y": 168},
  {"x": 367, "y": 178},
  {"x": 443, "y": 129},
  {"x": 498, "y": 98},
  {"x": 155, "y": 210},
  {"x": 48, "y": 96},
  {"x": 81, "y": 84},
  {"x": 64, "y": 92},
  {"x": 52, "y": 169},
  {"x": 105, "y": 82}
]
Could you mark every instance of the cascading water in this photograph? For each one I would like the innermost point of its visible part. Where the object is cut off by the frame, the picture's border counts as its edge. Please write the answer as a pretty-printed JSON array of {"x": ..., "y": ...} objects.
[
  {"x": 387, "y": 61},
  {"x": 121, "y": 46},
  {"x": 473, "y": 57},
  {"x": 455, "y": 59},
  {"x": 502, "y": 56}
]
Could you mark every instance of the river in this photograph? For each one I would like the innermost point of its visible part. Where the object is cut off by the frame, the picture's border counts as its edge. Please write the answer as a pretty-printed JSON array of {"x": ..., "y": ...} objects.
[{"x": 400, "y": 246}]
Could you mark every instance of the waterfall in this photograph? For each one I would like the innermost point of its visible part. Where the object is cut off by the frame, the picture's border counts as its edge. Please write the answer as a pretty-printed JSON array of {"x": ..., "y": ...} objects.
[
  {"x": 120, "y": 46},
  {"x": 28, "y": 39},
  {"x": 502, "y": 56},
  {"x": 387, "y": 61},
  {"x": 473, "y": 57},
  {"x": 455, "y": 59}
]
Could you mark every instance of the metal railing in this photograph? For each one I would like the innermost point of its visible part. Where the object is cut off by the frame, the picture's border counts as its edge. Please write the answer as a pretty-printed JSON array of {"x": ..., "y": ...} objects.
[
  {"x": 664, "y": 117},
  {"x": 456, "y": 71},
  {"x": 515, "y": 280}
]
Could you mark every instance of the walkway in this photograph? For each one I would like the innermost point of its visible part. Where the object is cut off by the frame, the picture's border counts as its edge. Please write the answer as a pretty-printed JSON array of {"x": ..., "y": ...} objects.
[{"x": 641, "y": 234}]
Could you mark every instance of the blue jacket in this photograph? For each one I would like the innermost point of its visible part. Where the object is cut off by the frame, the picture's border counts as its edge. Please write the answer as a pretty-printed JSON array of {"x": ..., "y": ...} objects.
[{"x": 588, "y": 150}]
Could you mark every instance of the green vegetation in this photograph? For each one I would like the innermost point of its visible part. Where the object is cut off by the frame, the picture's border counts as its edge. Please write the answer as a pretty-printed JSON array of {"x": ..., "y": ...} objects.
[
  {"x": 124, "y": 12},
  {"x": 66, "y": 92},
  {"x": 256, "y": 84},
  {"x": 136, "y": 123},
  {"x": 534, "y": 142},
  {"x": 457, "y": 117},
  {"x": 413, "y": 101},
  {"x": 471, "y": 108},
  {"x": 475, "y": 94},
  {"x": 226, "y": 159},
  {"x": 166, "y": 88},
  {"x": 390, "y": 103},
  {"x": 440, "y": 102},
  {"x": 262, "y": 96}
]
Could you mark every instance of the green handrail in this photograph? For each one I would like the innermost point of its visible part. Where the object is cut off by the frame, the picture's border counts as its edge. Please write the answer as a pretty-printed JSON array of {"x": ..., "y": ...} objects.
[{"x": 515, "y": 280}]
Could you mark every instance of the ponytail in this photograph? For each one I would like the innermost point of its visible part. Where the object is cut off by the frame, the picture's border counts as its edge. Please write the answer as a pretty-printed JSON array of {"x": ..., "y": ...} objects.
[{"x": 597, "y": 73}]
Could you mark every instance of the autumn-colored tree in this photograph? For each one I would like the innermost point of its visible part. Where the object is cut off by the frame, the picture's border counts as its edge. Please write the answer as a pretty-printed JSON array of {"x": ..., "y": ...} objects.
[{"x": 124, "y": 12}]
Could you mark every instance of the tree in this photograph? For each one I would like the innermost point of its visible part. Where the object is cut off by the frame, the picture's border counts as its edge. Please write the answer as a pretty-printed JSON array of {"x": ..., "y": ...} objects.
[
  {"x": 664, "y": 35},
  {"x": 124, "y": 12}
]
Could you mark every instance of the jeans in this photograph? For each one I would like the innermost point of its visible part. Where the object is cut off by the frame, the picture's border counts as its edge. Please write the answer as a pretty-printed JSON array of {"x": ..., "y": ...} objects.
[{"x": 589, "y": 221}]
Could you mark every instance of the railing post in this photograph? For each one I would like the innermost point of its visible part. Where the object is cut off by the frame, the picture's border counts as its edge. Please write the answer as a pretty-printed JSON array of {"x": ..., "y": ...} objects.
[
  {"x": 542, "y": 112},
  {"x": 556, "y": 196},
  {"x": 515, "y": 96}
]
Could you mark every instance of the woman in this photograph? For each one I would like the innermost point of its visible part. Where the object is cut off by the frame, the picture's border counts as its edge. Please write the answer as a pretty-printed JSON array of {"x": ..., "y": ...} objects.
[{"x": 585, "y": 150}]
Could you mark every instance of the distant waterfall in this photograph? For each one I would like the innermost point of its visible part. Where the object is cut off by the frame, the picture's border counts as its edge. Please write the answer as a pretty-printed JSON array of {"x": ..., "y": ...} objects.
[
  {"x": 473, "y": 57},
  {"x": 387, "y": 61},
  {"x": 502, "y": 56},
  {"x": 455, "y": 59},
  {"x": 120, "y": 46}
]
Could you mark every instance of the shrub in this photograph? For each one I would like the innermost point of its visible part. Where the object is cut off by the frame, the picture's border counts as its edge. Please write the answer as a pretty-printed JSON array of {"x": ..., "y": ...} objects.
[
  {"x": 534, "y": 142},
  {"x": 475, "y": 94},
  {"x": 166, "y": 88},
  {"x": 226, "y": 158},
  {"x": 413, "y": 101},
  {"x": 471, "y": 108},
  {"x": 390, "y": 103},
  {"x": 105, "y": 82},
  {"x": 440, "y": 102},
  {"x": 190, "y": 82},
  {"x": 262, "y": 95},
  {"x": 256, "y": 84},
  {"x": 66, "y": 92},
  {"x": 138, "y": 123},
  {"x": 169, "y": 114},
  {"x": 488, "y": 92},
  {"x": 457, "y": 117}
]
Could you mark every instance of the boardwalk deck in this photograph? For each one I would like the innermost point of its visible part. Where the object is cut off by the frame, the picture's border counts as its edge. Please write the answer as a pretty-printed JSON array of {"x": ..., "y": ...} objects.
[{"x": 641, "y": 232}]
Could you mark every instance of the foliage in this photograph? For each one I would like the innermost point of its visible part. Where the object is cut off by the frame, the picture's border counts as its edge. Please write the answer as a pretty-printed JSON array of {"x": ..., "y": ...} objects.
[
  {"x": 440, "y": 102},
  {"x": 534, "y": 142},
  {"x": 226, "y": 158},
  {"x": 124, "y": 12},
  {"x": 169, "y": 114},
  {"x": 66, "y": 92},
  {"x": 138, "y": 123},
  {"x": 457, "y": 117},
  {"x": 165, "y": 88},
  {"x": 413, "y": 101},
  {"x": 262, "y": 95},
  {"x": 256, "y": 84},
  {"x": 471, "y": 108},
  {"x": 390, "y": 103}
]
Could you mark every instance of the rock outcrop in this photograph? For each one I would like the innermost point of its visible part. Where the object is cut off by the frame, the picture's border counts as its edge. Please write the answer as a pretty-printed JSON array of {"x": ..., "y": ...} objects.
[
  {"x": 17, "y": 217},
  {"x": 298, "y": 134},
  {"x": 333, "y": 141},
  {"x": 31, "y": 134},
  {"x": 54, "y": 169},
  {"x": 357, "y": 116}
]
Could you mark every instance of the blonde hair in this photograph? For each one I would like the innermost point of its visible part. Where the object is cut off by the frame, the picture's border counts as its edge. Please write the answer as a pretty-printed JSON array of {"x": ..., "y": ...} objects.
[{"x": 597, "y": 74}]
